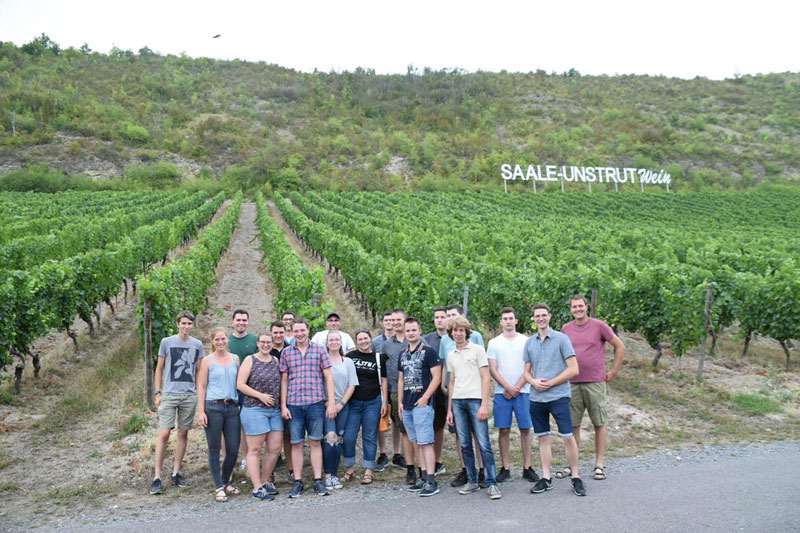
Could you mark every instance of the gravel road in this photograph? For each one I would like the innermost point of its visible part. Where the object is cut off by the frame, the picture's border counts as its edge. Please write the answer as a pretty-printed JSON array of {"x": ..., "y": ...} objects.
[{"x": 743, "y": 488}]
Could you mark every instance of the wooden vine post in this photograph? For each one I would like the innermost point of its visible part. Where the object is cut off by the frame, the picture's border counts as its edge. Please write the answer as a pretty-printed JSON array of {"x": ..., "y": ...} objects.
[
  {"x": 709, "y": 299},
  {"x": 593, "y": 311},
  {"x": 148, "y": 357}
]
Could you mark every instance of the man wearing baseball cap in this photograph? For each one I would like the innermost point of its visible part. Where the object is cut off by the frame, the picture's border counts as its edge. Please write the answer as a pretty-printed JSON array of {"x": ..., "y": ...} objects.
[{"x": 334, "y": 322}]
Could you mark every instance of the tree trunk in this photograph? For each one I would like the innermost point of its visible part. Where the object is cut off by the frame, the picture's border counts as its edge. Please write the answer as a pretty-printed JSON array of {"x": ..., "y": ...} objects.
[
  {"x": 659, "y": 353},
  {"x": 37, "y": 363},
  {"x": 92, "y": 332},
  {"x": 746, "y": 345},
  {"x": 113, "y": 313},
  {"x": 18, "y": 368},
  {"x": 786, "y": 351}
]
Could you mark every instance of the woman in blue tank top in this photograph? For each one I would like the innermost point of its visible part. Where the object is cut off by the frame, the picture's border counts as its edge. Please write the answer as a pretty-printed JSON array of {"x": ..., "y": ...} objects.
[{"x": 218, "y": 410}]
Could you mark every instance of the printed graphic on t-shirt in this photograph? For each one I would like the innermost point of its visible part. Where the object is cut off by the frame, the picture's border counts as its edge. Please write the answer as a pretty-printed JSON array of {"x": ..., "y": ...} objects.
[
  {"x": 182, "y": 363},
  {"x": 412, "y": 371}
]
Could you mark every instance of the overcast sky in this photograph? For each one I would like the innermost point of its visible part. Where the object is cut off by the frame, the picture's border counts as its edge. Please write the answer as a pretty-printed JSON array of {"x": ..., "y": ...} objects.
[{"x": 677, "y": 38}]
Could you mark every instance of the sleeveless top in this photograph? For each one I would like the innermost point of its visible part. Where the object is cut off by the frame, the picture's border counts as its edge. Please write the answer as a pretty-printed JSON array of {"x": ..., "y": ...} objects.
[
  {"x": 222, "y": 381},
  {"x": 266, "y": 379}
]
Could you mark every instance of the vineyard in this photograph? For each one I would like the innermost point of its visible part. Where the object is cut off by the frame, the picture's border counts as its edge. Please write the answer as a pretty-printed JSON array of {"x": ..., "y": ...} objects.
[
  {"x": 63, "y": 255},
  {"x": 650, "y": 257}
]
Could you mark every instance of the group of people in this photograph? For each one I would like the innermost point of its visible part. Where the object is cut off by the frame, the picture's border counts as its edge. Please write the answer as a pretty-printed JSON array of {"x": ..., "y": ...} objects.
[{"x": 277, "y": 391}]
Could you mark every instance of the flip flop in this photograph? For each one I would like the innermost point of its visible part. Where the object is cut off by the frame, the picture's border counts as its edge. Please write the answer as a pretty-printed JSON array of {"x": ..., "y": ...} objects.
[
  {"x": 599, "y": 473},
  {"x": 348, "y": 477},
  {"x": 220, "y": 496},
  {"x": 230, "y": 489},
  {"x": 367, "y": 479},
  {"x": 564, "y": 473}
]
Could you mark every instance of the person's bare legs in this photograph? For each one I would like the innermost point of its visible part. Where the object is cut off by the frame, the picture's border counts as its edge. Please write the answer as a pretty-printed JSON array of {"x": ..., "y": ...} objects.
[
  {"x": 600, "y": 439},
  {"x": 253, "y": 464},
  {"x": 274, "y": 442},
  {"x": 572, "y": 455},
  {"x": 315, "y": 453},
  {"x": 180, "y": 449},
  {"x": 398, "y": 440},
  {"x": 527, "y": 444},
  {"x": 438, "y": 444},
  {"x": 381, "y": 443},
  {"x": 297, "y": 460},
  {"x": 428, "y": 458},
  {"x": 161, "y": 451},
  {"x": 505, "y": 442},
  {"x": 409, "y": 450},
  {"x": 243, "y": 445},
  {"x": 287, "y": 449},
  {"x": 546, "y": 455}
]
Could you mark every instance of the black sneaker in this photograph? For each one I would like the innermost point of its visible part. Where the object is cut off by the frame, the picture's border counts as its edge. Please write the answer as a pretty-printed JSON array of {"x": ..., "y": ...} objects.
[
  {"x": 297, "y": 489},
  {"x": 179, "y": 481},
  {"x": 411, "y": 476},
  {"x": 430, "y": 489},
  {"x": 399, "y": 461},
  {"x": 270, "y": 488},
  {"x": 156, "y": 487},
  {"x": 460, "y": 480},
  {"x": 530, "y": 474},
  {"x": 381, "y": 463},
  {"x": 542, "y": 485},
  {"x": 503, "y": 475},
  {"x": 418, "y": 486},
  {"x": 577, "y": 486},
  {"x": 319, "y": 488},
  {"x": 482, "y": 479},
  {"x": 439, "y": 469}
]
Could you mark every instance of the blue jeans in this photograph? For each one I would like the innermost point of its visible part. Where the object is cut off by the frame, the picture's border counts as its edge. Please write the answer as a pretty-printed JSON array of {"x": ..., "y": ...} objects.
[
  {"x": 332, "y": 451},
  {"x": 223, "y": 419},
  {"x": 306, "y": 418},
  {"x": 465, "y": 412},
  {"x": 364, "y": 416}
]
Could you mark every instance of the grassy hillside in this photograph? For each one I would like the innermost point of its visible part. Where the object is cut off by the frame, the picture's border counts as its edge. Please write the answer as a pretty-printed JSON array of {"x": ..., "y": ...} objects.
[{"x": 255, "y": 123}]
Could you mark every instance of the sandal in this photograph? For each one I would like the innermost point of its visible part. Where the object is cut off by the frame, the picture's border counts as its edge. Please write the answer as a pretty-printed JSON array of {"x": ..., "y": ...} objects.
[
  {"x": 599, "y": 473},
  {"x": 230, "y": 489},
  {"x": 348, "y": 477},
  {"x": 221, "y": 497},
  {"x": 367, "y": 479},
  {"x": 564, "y": 473}
]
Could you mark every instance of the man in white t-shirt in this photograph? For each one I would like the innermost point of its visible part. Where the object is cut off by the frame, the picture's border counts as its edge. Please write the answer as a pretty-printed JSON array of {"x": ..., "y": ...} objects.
[
  {"x": 511, "y": 393},
  {"x": 334, "y": 322}
]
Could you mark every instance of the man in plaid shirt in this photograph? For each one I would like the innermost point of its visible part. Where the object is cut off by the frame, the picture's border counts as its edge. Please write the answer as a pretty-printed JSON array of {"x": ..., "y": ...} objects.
[{"x": 304, "y": 366}]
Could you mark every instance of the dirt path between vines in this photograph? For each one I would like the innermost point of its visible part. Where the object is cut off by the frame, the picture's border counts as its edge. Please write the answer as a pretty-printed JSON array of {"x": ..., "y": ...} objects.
[{"x": 55, "y": 465}]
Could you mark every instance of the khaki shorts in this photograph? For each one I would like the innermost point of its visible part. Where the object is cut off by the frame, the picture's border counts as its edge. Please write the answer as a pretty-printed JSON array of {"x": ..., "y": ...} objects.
[
  {"x": 180, "y": 406},
  {"x": 396, "y": 418},
  {"x": 589, "y": 397}
]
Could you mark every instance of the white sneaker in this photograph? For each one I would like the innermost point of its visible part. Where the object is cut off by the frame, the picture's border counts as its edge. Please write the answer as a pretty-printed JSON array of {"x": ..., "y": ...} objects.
[
  {"x": 329, "y": 483},
  {"x": 336, "y": 483}
]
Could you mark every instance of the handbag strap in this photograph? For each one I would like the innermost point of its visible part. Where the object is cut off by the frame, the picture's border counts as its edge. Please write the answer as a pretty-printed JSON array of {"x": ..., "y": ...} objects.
[{"x": 380, "y": 386}]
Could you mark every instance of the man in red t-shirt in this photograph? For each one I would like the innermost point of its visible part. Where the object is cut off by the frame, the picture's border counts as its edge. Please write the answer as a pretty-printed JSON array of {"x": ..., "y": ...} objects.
[{"x": 589, "y": 388}]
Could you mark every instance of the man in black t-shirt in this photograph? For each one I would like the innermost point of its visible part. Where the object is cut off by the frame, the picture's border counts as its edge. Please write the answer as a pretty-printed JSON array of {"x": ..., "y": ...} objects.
[{"x": 419, "y": 373}]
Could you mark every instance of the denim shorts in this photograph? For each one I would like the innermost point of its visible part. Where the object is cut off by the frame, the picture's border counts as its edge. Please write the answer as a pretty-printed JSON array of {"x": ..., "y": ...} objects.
[
  {"x": 519, "y": 405},
  {"x": 540, "y": 414},
  {"x": 419, "y": 424},
  {"x": 306, "y": 419},
  {"x": 260, "y": 420}
]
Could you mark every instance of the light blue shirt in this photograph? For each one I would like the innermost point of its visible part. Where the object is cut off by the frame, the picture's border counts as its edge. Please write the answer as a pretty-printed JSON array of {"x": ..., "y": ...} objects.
[{"x": 548, "y": 357}]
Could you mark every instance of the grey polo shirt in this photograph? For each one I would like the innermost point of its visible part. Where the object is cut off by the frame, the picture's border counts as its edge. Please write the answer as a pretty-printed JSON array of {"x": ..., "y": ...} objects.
[
  {"x": 392, "y": 348},
  {"x": 548, "y": 358}
]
